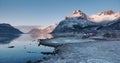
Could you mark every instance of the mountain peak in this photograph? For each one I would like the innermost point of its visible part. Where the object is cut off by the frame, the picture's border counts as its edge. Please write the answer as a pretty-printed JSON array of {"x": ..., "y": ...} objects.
[
  {"x": 108, "y": 15},
  {"x": 108, "y": 12},
  {"x": 78, "y": 13}
]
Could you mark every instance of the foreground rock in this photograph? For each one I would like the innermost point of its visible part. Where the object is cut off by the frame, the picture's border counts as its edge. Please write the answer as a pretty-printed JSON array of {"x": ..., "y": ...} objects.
[{"x": 11, "y": 46}]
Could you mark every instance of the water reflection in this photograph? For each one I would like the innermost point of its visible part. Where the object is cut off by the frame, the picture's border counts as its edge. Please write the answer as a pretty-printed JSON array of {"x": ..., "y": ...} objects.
[
  {"x": 41, "y": 36},
  {"x": 7, "y": 38},
  {"x": 25, "y": 48}
]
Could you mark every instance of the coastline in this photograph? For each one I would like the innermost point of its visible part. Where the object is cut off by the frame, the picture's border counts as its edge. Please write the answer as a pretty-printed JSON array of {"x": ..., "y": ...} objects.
[{"x": 87, "y": 52}]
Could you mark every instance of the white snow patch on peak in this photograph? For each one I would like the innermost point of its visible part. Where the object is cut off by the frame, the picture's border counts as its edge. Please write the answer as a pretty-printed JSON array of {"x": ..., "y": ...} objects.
[
  {"x": 77, "y": 13},
  {"x": 105, "y": 16}
]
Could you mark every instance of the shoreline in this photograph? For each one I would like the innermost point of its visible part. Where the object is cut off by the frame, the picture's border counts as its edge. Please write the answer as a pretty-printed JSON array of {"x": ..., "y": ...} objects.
[{"x": 86, "y": 52}]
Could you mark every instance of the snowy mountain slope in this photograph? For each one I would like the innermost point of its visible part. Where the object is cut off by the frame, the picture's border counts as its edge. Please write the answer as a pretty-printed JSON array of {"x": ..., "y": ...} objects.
[
  {"x": 105, "y": 16},
  {"x": 78, "y": 13},
  {"x": 78, "y": 18},
  {"x": 114, "y": 25},
  {"x": 71, "y": 26},
  {"x": 80, "y": 22}
]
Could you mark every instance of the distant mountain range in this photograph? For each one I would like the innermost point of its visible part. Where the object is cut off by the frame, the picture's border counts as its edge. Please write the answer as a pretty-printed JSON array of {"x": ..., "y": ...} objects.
[
  {"x": 42, "y": 30},
  {"x": 8, "y": 29},
  {"x": 27, "y": 28},
  {"x": 105, "y": 16},
  {"x": 80, "y": 22}
]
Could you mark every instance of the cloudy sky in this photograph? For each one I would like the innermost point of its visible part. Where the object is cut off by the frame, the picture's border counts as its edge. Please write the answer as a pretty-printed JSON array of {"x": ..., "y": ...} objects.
[{"x": 46, "y": 12}]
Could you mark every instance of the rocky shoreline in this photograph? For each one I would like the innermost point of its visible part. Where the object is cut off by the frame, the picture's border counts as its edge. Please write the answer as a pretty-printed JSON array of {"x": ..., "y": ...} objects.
[{"x": 103, "y": 51}]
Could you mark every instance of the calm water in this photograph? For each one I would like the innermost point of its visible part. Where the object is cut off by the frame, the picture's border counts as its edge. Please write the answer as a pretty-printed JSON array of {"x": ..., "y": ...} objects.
[{"x": 26, "y": 48}]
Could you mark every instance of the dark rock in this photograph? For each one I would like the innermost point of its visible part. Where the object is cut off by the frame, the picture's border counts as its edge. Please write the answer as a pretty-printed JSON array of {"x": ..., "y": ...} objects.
[
  {"x": 29, "y": 61},
  {"x": 11, "y": 46},
  {"x": 48, "y": 53},
  {"x": 38, "y": 61},
  {"x": 110, "y": 35}
]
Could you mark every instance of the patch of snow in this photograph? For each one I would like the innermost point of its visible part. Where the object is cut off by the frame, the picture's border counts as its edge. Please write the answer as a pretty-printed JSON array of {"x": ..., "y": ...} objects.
[
  {"x": 77, "y": 13},
  {"x": 102, "y": 16},
  {"x": 97, "y": 61}
]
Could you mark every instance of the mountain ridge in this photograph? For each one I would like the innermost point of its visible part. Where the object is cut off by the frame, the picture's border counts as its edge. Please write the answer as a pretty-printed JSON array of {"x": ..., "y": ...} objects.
[
  {"x": 44, "y": 30},
  {"x": 108, "y": 15},
  {"x": 8, "y": 29},
  {"x": 78, "y": 23}
]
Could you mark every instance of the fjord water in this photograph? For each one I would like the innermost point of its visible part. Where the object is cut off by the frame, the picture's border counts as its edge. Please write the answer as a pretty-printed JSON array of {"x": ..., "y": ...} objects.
[{"x": 25, "y": 48}]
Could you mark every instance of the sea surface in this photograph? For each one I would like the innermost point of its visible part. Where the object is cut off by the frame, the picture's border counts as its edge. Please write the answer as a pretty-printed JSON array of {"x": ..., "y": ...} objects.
[{"x": 22, "y": 48}]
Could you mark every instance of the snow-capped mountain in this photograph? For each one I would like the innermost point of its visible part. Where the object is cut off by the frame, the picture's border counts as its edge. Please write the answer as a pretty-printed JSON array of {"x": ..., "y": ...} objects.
[
  {"x": 44, "y": 30},
  {"x": 79, "y": 21},
  {"x": 108, "y": 15},
  {"x": 77, "y": 13},
  {"x": 112, "y": 25}
]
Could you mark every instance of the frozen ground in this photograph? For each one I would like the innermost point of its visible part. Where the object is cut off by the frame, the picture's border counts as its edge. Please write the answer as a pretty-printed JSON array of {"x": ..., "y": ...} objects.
[
  {"x": 86, "y": 52},
  {"x": 63, "y": 40}
]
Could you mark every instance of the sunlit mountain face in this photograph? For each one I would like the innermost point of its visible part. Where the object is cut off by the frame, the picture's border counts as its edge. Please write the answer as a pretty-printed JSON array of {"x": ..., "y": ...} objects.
[
  {"x": 43, "y": 30},
  {"x": 78, "y": 21},
  {"x": 108, "y": 15}
]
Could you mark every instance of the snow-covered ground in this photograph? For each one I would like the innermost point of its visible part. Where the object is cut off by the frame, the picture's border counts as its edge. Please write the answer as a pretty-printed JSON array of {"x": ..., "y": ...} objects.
[
  {"x": 76, "y": 50},
  {"x": 65, "y": 40}
]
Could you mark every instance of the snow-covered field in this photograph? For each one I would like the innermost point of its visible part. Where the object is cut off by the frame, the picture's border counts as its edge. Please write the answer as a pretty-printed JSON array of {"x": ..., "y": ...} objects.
[{"x": 75, "y": 50}]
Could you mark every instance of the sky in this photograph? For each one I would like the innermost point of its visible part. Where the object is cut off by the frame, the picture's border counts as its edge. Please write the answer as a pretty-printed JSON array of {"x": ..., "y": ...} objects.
[{"x": 47, "y": 12}]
